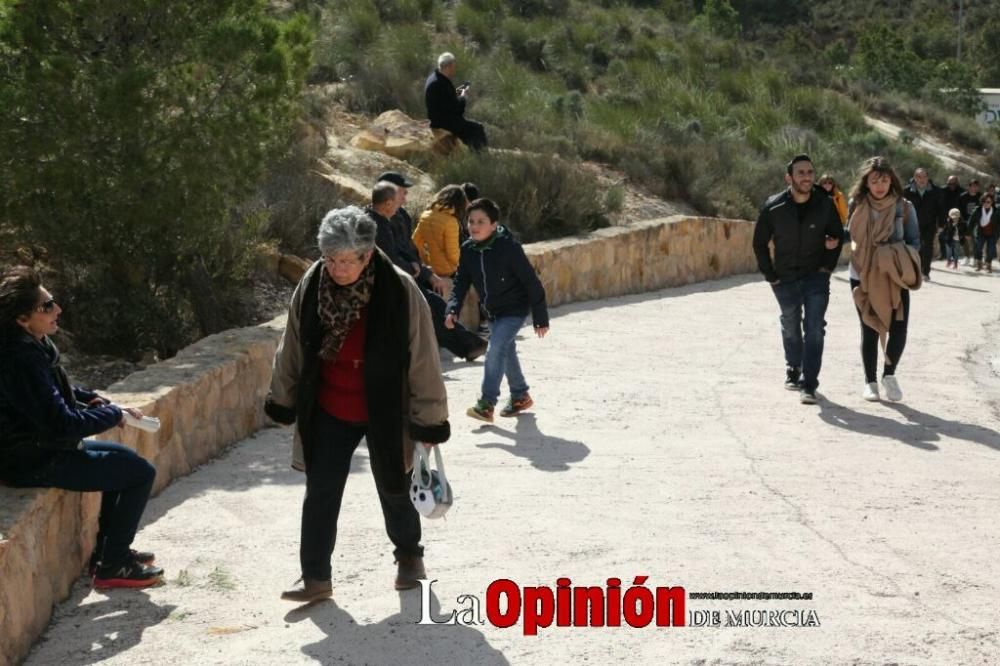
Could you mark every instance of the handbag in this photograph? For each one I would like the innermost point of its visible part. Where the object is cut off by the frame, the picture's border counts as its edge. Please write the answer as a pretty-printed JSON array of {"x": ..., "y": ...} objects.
[{"x": 430, "y": 491}]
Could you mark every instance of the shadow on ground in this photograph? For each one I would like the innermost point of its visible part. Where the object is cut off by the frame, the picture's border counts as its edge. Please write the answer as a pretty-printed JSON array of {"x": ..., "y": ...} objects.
[
  {"x": 100, "y": 629},
  {"x": 549, "y": 454},
  {"x": 397, "y": 639},
  {"x": 920, "y": 430}
]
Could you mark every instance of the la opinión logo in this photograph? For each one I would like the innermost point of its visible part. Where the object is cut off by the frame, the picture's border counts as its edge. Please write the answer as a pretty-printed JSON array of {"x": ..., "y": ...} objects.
[{"x": 566, "y": 605}]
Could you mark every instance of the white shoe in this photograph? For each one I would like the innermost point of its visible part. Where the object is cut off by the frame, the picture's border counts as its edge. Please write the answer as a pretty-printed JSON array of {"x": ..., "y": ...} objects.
[
  {"x": 892, "y": 390},
  {"x": 870, "y": 392}
]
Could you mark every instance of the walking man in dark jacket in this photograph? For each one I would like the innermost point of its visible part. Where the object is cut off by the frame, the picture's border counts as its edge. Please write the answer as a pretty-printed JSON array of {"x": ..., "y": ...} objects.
[
  {"x": 927, "y": 199},
  {"x": 446, "y": 104},
  {"x": 807, "y": 234}
]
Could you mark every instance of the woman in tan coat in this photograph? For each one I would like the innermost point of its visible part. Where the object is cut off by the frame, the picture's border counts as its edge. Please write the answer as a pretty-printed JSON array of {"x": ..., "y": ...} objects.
[
  {"x": 437, "y": 233},
  {"x": 358, "y": 359},
  {"x": 885, "y": 267}
]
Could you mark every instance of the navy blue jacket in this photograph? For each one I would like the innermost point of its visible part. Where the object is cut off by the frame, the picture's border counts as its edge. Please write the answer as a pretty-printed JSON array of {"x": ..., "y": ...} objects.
[
  {"x": 38, "y": 407},
  {"x": 504, "y": 279}
]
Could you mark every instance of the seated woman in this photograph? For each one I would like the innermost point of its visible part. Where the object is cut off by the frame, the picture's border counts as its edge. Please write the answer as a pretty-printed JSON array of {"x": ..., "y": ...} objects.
[
  {"x": 437, "y": 233},
  {"x": 43, "y": 420}
]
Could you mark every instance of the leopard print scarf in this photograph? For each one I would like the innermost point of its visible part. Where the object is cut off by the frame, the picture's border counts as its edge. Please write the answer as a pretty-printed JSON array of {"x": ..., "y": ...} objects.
[{"x": 340, "y": 308}]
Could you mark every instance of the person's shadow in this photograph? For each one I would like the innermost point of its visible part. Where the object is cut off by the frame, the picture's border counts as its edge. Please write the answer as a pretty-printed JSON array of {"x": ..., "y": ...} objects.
[
  {"x": 100, "y": 630},
  {"x": 549, "y": 454},
  {"x": 921, "y": 430},
  {"x": 398, "y": 639}
]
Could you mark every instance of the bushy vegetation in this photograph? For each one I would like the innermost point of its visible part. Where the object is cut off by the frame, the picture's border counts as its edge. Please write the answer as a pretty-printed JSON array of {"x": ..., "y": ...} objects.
[
  {"x": 659, "y": 90},
  {"x": 129, "y": 132}
]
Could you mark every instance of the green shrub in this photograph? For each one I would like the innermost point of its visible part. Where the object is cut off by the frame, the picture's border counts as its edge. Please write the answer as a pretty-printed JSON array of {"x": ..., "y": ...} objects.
[
  {"x": 128, "y": 135},
  {"x": 540, "y": 196}
]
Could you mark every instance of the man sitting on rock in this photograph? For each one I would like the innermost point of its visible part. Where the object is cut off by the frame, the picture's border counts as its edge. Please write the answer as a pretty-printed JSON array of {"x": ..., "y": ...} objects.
[{"x": 446, "y": 104}]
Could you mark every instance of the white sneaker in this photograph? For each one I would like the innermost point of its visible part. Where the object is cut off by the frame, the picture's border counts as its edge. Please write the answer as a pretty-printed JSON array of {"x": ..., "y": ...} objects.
[
  {"x": 892, "y": 390},
  {"x": 870, "y": 392}
]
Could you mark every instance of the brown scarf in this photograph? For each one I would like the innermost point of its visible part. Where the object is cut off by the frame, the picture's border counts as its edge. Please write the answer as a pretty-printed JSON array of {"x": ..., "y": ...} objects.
[{"x": 340, "y": 308}]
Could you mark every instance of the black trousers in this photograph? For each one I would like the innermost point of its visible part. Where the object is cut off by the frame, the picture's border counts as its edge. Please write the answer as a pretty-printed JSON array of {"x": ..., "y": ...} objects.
[
  {"x": 894, "y": 345},
  {"x": 927, "y": 249},
  {"x": 472, "y": 134},
  {"x": 459, "y": 341},
  {"x": 326, "y": 476}
]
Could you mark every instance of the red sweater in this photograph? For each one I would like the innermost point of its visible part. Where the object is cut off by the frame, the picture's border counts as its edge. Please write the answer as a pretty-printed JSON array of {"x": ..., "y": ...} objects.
[{"x": 342, "y": 380}]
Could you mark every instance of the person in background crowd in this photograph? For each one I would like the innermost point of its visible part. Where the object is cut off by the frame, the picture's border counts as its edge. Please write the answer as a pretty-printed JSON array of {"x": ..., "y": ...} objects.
[
  {"x": 44, "y": 421},
  {"x": 951, "y": 197},
  {"x": 926, "y": 198},
  {"x": 357, "y": 359},
  {"x": 401, "y": 251},
  {"x": 885, "y": 267},
  {"x": 807, "y": 236},
  {"x": 954, "y": 233},
  {"x": 983, "y": 225},
  {"x": 827, "y": 182},
  {"x": 437, "y": 233},
  {"x": 967, "y": 204}
]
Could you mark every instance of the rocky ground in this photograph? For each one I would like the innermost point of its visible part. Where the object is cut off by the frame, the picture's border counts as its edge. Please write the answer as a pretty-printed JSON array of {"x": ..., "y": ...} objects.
[{"x": 663, "y": 445}]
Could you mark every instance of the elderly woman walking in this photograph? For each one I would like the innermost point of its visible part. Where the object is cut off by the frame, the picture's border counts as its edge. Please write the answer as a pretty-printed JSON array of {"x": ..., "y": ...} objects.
[
  {"x": 44, "y": 420},
  {"x": 885, "y": 267},
  {"x": 358, "y": 358}
]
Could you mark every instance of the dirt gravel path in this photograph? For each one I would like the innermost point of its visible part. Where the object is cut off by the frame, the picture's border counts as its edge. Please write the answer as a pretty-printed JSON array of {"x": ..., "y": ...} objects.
[{"x": 662, "y": 444}]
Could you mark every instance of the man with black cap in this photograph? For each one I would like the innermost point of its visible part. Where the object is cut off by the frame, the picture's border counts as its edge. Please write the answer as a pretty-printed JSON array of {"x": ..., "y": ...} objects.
[
  {"x": 807, "y": 234},
  {"x": 395, "y": 226}
]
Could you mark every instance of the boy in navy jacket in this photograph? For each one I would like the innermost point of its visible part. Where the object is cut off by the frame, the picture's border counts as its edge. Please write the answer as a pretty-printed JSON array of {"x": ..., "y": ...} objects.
[{"x": 508, "y": 289}]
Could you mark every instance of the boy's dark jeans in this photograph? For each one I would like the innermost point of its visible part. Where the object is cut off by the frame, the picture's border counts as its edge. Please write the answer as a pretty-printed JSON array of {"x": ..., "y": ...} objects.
[
  {"x": 326, "y": 476},
  {"x": 124, "y": 479},
  {"x": 803, "y": 325}
]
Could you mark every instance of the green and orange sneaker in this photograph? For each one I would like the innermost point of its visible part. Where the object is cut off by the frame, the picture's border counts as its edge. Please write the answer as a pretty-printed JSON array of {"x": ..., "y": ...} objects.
[
  {"x": 515, "y": 406},
  {"x": 482, "y": 410}
]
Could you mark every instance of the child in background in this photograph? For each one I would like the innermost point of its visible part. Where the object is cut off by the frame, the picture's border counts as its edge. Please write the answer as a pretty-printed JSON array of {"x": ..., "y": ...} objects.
[
  {"x": 509, "y": 289},
  {"x": 953, "y": 236}
]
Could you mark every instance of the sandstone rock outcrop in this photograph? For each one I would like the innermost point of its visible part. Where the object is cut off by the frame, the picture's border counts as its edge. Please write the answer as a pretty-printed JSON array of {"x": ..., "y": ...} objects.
[{"x": 395, "y": 133}]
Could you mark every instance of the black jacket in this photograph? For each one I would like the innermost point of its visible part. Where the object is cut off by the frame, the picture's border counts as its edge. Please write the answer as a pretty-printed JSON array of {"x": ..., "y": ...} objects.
[
  {"x": 979, "y": 231},
  {"x": 968, "y": 203},
  {"x": 39, "y": 413},
  {"x": 392, "y": 239},
  {"x": 799, "y": 247},
  {"x": 951, "y": 199},
  {"x": 444, "y": 107},
  {"x": 504, "y": 279},
  {"x": 929, "y": 206}
]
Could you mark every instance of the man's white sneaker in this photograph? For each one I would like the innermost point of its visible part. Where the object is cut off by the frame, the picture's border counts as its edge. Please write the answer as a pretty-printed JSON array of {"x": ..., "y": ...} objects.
[
  {"x": 892, "y": 390},
  {"x": 870, "y": 393}
]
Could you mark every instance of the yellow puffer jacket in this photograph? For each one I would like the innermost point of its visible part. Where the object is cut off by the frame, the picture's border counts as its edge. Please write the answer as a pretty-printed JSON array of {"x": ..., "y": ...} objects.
[
  {"x": 840, "y": 201},
  {"x": 436, "y": 238}
]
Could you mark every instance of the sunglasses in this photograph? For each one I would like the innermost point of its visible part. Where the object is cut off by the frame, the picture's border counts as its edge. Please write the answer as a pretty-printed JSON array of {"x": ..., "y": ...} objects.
[{"x": 47, "y": 306}]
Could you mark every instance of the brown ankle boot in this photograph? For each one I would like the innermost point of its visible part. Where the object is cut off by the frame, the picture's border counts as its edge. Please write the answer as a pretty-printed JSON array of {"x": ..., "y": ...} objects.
[
  {"x": 410, "y": 569},
  {"x": 309, "y": 591},
  {"x": 989, "y": 266}
]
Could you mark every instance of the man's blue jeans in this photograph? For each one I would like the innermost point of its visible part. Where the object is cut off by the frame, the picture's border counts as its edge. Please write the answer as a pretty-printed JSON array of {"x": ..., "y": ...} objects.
[
  {"x": 501, "y": 359},
  {"x": 124, "y": 478},
  {"x": 802, "y": 336}
]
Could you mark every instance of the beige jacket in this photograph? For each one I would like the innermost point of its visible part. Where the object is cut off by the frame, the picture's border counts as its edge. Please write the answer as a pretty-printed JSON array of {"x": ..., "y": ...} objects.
[{"x": 425, "y": 400}]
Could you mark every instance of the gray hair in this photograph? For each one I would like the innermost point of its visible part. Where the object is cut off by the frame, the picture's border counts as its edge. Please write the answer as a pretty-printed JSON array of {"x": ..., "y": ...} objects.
[
  {"x": 346, "y": 229},
  {"x": 445, "y": 59}
]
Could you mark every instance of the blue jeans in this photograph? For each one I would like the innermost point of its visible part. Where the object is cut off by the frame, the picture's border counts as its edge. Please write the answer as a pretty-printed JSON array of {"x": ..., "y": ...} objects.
[
  {"x": 327, "y": 470},
  {"x": 988, "y": 242},
  {"x": 951, "y": 249},
  {"x": 124, "y": 479},
  {"x": 801, "y": 336},
  {"x": 501, "y": 359}
]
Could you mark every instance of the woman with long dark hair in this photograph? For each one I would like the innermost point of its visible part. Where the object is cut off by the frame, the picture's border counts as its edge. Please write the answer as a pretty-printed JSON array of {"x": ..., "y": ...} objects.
[
  {"x": 885, "y": 267},
  {"x": 44, "y": 420}
]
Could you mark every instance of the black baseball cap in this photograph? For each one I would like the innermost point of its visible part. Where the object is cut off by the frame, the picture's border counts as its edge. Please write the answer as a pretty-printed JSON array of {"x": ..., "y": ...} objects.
[{"x": 395, "y": 178}]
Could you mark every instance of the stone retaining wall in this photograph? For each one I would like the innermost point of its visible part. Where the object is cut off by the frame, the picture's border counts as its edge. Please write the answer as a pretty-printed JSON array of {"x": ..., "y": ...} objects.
[{"x": 211, "y": 394}]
